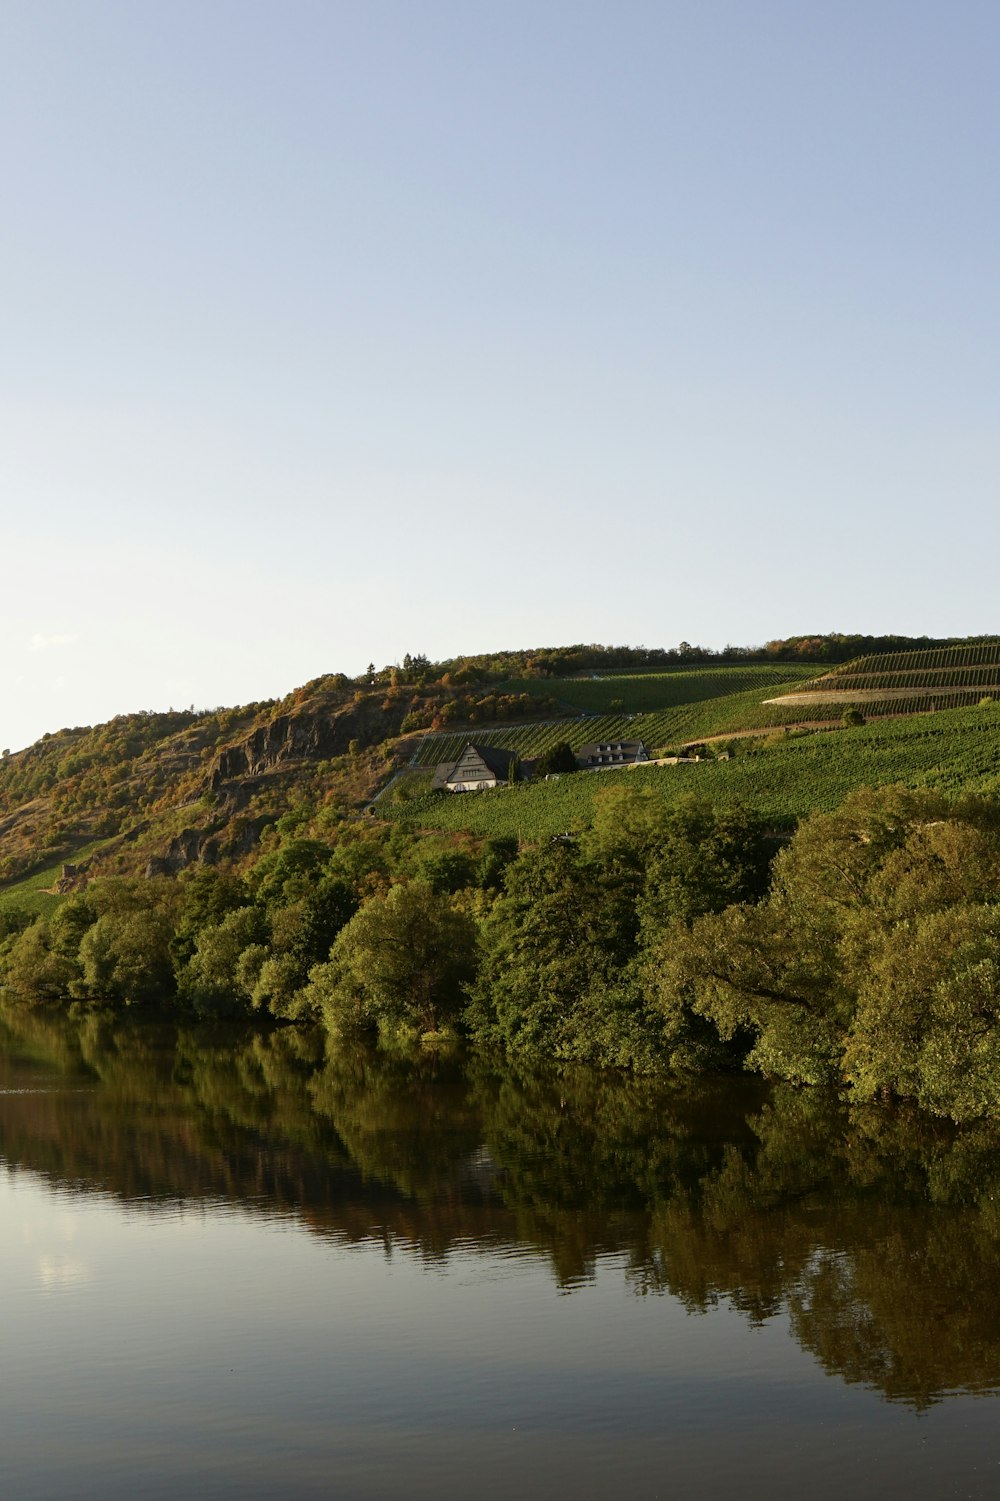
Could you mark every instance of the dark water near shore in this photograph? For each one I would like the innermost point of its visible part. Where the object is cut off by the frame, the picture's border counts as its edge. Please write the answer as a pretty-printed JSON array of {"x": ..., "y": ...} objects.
[{"x": 236, "y": 1265}]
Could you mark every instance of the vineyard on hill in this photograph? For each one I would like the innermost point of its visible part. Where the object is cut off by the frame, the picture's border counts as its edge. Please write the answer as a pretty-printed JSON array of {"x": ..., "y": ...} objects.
[
  {"x": 953, "y": 752},
  {"x": 651, "y": 692},
  {"x": 664, "y": 710},
  {"x": 905, "y": 682}
]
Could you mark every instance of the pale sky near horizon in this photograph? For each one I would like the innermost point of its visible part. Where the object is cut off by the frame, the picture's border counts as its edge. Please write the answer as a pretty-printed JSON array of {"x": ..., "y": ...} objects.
[{"x": 334, "y": 331}]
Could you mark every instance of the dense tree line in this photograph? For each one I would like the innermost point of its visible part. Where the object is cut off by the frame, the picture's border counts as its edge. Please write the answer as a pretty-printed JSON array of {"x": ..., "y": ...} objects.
[
  {"x": 560, "y": 661},
  {"x": 865, "y": 953}
]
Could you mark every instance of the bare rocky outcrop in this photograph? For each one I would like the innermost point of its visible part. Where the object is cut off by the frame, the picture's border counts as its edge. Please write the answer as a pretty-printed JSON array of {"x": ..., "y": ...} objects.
[
  {"x": 316, "y": 735},
  {"x": 207, "y": 846},
  {"x": 183, "y": 850}
]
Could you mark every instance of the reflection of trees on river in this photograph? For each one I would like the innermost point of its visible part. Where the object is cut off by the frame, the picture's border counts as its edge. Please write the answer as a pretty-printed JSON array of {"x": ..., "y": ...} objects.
[{"x": 878, "y": 1233}]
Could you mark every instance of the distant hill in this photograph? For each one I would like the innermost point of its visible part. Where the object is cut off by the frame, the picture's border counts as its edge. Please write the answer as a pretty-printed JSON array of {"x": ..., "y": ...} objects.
[{"x": 155, "y": 792}]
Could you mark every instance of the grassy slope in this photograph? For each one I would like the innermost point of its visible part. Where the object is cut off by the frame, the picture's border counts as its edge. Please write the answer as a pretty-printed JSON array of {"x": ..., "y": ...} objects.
[
  {"x": 32, "y": 894},
  {"x": 953, "y": 751}
]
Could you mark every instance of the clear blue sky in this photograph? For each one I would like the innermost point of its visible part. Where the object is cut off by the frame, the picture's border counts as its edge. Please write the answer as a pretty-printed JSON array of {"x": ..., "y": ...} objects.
[{"x": 335, "y": 331}]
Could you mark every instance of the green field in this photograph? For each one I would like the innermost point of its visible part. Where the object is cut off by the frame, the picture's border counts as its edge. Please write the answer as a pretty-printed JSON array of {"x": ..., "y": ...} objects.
[{"x": 952, "y": 751}]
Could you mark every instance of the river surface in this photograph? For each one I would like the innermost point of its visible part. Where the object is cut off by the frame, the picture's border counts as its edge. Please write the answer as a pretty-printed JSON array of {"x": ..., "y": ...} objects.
[{"x": 238, "y": 1265}]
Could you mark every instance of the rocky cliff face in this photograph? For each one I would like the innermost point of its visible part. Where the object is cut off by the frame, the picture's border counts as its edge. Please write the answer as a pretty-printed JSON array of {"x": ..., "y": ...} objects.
[
  {"x": 206, "y": 846},
  {"x": 309, "y": 735}
]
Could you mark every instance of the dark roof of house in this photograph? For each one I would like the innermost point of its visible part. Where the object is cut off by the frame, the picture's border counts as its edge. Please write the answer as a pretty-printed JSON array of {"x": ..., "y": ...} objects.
[
  {"x": 607, "y": 752},
  {"x": 496, "y": 759}
]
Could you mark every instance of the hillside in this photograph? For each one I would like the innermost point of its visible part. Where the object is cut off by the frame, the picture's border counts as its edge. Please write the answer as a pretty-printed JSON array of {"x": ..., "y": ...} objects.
[
  {"x": 663, "y": 709},
  {"x": 153, "y": 793}
]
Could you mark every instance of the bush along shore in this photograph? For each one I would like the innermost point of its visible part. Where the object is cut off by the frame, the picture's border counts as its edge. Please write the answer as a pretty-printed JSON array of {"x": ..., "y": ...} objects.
[{"x": 863, "y": 950}]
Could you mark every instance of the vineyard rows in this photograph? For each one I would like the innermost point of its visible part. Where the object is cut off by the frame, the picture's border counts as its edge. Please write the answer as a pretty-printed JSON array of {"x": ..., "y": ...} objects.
[
  {"x": 977, "y": 680},
  {"x": 673, "y": 728},
  {"x": 643, "y": 693},
  {"x": 953, "y": 752},
  {"x": 928, "y": 678},
  {"x": 527, "y": 740},
  {"x": 668, "y": 710},
  {"x": 986, "y": 653},
  {"x": 658, "y": 729}
]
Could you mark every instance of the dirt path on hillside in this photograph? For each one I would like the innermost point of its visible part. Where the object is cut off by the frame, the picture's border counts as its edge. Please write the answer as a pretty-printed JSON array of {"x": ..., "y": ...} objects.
[{"x": 874, "y": 695}]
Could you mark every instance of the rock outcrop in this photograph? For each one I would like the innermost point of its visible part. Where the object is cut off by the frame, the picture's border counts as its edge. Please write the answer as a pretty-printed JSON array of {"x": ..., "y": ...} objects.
[
  {"x": 183, "y": 850},
  {"x": 312, "y": 735}
]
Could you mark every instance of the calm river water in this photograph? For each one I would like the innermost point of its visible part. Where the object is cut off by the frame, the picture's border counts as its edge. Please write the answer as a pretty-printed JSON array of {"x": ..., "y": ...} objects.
[{"x": 237, "y": 1266}]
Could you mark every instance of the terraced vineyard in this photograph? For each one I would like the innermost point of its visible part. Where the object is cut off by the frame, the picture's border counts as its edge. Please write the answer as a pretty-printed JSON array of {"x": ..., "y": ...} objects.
[
  {"x": 907, "y": 682},
  {"x": 984, "y": 654},
  {"x": 955, "y": 751}
]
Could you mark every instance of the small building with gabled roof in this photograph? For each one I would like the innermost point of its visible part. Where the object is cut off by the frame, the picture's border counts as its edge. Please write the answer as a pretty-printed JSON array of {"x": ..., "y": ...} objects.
[
  {"x": 602, "y": 755},
  {"x": 478, "y": 768}
]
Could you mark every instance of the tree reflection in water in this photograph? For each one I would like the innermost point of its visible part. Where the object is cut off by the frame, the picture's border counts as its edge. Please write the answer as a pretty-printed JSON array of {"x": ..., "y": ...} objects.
[{"x": 875, "y": 1231}]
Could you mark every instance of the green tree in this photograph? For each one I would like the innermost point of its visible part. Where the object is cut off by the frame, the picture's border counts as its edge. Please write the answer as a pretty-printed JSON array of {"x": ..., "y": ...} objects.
[
  {"x": 216, "y": 979},
  {"x": 207, "y": 894},
  {"x": 495, "y": 857},
  {"x": 928, "y": 1015},
  {"x": 288, "y": 871},
  {"x": 125, "y": 956},
  {"x": 557, "y": 759},
  {"x": 35, "y": 967},
  {"x": 762, "y": 984},
  {"x": 403, "y": 960},
  {"x": 872, "y": 959},
  {"x": 70, "y": 922},
  {"x": 563, "y": 926},
  {"x": 704, "y": 860}
]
